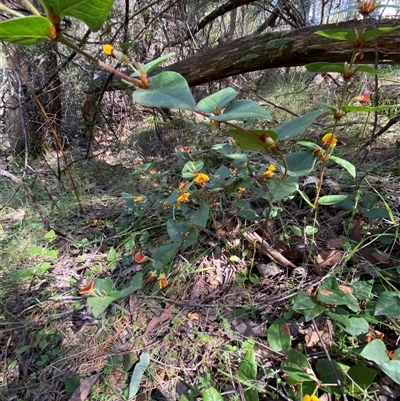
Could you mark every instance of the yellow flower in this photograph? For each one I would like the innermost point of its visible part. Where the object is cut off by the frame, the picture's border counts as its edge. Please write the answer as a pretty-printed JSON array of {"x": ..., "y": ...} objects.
[
  {"x": 329, "y": 140},
  {"x": 182, "y": 198},
  {"x": 201, "y": 178},
  {"x": 138, "y": 199},
  {"x": 240, "y": 192},
  {"x": 182, "y": 186},
  {"x": 163, "y": 282},
  {"x": 111, "y": 51},
  {"x": 270, "y": 172},
  {"x": 108, "y": 49},
  {"x": 310, "y": 398}
]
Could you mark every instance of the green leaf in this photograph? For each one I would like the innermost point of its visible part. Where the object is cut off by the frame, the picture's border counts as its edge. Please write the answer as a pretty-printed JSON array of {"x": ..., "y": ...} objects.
[
  {"x": 300, "y": 163},
  {"x": 49, "y": 235},
  {"x": 50, "y": 254},
  {"x": 358, "y": 109},
  {"x": 354, "y": 326},
  {"x": 242, "y": 110},
  {"x": 362, "y": 289},
  {"x": 307, "y": 306},
  {"x": 138, "y": 373},
  {"x": 278, "y": 189},
  {"x": 164, "y": 255},
  {"x": 103, "y": 285},
  {"x": 388, "y": 304},
  {"x": 308, "y": 145},
  {"x": 248, "y": 366},
  {"x": 368, "y": 69},
  {"x": 278, "y": 335},
  {"x": 218, "y": 99},
  {"x": 377, "y": 213},
  {"x": 112, "y": 255},
  {"x": 134, "y": 285},
  {"x": 345, "y": 164},
  {"x": 167, "y": 89},
  {"x": 296, "y": 366},
  {"x": 323, "y": 66},
  {"x": 199, "y": 216},
  {"x": 211, "y": 394},
  {"x": 361, "y": 377},
  {"x": 177, "y": 230},
  {"x": 25, "y": 30},
  {"x": 248, "y": 142},
  {"x": 99, "y": 304},
  {"x": 190, "y": 240},
  {"x": 297, "y": 126},
  {"x": 42, "y": 268},
  {"x": 92, "y": 12},
  {"x": 327, "y": 375},
  {"x": 251, "y": 395},
  {"x": 375, "y": 351},
  {"x": 191, "y": 169},
  {"x": 392, "y": 369},
  {"x": 338, "y": 34},
  {"x": 374, "y": 33},
  {"x": 330, "y": 294},
  {"x": 154, "y": 64},
  {"x": 331, "y": 199}
]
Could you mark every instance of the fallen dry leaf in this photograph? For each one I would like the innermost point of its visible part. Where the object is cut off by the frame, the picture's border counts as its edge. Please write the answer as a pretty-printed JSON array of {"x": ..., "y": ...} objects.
[
  {"x": 83, "y": 390},
  {"x": 198, "y": 290},
  {"x": 312, "y": 339},
  {"x": 345, "y": 289},
  {"x": 382, "y": 258},
  {"x": 328, "y": 258},
  {"x": 193, "y": 316}
]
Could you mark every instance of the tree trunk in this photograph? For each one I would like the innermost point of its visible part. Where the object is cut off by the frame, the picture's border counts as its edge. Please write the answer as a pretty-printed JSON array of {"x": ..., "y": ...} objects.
[
  {"x": 27, "y": 128},
  {"x": 285, "y": 49}
]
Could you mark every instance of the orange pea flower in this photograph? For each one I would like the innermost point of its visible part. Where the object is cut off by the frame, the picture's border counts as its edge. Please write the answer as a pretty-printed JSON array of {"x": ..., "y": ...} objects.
[
  {"x": 162, "y": 282},
  {"x": 329, "y": 140},
  {"x": 269, "y": 172},
  {"x": 362, "y": 99},
  {"x": 182, "y": 198},
  {"x": 201, "y": 179}
]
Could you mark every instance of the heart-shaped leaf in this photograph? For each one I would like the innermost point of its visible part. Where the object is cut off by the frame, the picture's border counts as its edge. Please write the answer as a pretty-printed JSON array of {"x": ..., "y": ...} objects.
[
  {"x": 278, "y": 189},
  {"x": 92, "y": 12},
  {"x": 25, "y": 31},
  {"x": 300, "y": 163},
  {"x": 242, "y": 110},
  {"x": 167, "y": 89},
  {"x": 248, "y": 142},
  {"x": 218, "y": 99},
  {"x": 297, "y": 126}
]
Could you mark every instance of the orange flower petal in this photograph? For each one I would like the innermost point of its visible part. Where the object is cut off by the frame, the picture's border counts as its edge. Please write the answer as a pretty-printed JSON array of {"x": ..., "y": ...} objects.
[
  {"x": 139, "y": 257},
  {"x": 89, "y": 289}
]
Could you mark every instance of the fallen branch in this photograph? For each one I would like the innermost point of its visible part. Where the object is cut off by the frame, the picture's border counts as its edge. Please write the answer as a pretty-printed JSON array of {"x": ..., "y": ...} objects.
[{"x": 267, "y": 249}]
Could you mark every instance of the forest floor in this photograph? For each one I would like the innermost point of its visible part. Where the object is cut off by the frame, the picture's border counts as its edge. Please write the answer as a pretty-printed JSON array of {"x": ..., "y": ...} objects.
[{"x": 220, "y": 295}]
